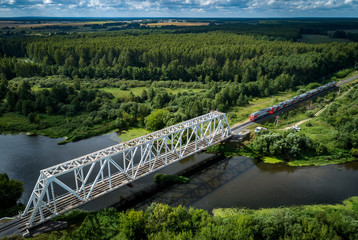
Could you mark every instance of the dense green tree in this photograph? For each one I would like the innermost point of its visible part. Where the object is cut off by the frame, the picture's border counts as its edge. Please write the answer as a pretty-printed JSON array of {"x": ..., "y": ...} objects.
[
  {"x": 157, "y": 119},
  {"x": 3, "y": 86},
  {"x": 10, "y": 191}
]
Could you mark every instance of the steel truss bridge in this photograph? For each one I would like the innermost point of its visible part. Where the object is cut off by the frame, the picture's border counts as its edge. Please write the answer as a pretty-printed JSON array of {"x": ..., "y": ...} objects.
[{"x": 73, "y": 183}]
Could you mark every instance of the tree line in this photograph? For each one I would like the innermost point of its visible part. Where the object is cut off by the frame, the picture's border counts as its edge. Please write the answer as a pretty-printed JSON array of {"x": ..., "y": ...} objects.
[
  {"x": 202, "y": 57},
  {"x": 160, "y": 221}
]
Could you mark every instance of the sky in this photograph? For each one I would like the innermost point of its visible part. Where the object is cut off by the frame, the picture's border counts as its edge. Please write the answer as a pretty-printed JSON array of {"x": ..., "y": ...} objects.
[{"x": 179, "y": 8}]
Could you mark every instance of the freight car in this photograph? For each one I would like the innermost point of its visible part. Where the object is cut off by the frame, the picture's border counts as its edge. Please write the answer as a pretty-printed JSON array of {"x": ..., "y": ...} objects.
[{"x": 270, "y": 110}]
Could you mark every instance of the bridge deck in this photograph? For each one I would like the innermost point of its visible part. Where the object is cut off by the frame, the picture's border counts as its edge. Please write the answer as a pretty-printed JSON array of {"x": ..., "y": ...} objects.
[{"x": 68, "y": 201}]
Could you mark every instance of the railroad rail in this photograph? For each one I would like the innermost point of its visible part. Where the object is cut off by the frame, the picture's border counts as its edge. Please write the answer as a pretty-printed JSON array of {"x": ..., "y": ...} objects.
[
  {"x": 73, "y": 183},
  {"x": 98, "y": 173}
]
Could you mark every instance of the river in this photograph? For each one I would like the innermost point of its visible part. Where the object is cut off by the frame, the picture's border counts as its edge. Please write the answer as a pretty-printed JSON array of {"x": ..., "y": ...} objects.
[{"x": 235, "y": 182}]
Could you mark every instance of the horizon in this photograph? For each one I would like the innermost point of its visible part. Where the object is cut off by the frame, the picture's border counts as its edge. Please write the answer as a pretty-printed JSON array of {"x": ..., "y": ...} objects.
[
  {"x": 209, "y": 18},
  {"x": 179, "y": 9}
]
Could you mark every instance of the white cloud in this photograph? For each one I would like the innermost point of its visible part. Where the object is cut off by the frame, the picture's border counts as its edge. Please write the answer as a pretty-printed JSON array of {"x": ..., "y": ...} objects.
[
  {"x": 11, "y": 2},
  {"x": 298, "y": 4},
  {"x": 329, "y": 3},
  {"x": 47, "y": 1},
  {"x": 142, "y": 5},
  {"x": 197, "y": 10},
  {"x": 211, "y": 2}
]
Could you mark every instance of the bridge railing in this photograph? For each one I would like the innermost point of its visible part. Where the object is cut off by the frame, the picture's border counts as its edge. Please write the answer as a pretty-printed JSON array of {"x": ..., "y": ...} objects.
[{"x": 73, "y": 183}]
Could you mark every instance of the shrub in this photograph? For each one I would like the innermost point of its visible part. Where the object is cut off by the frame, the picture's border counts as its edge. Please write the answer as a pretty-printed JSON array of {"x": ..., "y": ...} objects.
[
  {"x": 354, "y": 152},
  {"x": 310, "y": 114},
  {"x": 164, "y": 178},
  {"x": 123, "y": 87}
]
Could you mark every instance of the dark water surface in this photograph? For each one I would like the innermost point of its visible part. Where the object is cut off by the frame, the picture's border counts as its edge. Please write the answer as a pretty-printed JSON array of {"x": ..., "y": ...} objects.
[
  {"x": 236, "y": 182},
  {"x": 22, "y": 157},
  {"x": 239, "y": 182}
]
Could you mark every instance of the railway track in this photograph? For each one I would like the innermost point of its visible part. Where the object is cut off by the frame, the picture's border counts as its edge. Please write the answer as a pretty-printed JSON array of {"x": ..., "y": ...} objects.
[
  {"x": 19, "y": 225},
  {"x": 242, "y": 125},
  {"x": 68, "y": 201}
]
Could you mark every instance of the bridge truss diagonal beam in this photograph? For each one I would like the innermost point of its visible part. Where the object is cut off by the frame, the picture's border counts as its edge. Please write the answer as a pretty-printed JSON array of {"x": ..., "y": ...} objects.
[{"x": 73, "y": 183}]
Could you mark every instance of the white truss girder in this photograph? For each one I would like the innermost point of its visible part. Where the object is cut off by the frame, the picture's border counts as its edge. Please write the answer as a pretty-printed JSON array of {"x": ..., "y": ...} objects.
[{"x": 103, "y": 171}]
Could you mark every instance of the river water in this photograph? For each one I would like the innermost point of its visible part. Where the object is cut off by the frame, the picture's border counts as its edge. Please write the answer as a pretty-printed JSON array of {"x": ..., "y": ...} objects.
[{"x": 235, "y": 182}]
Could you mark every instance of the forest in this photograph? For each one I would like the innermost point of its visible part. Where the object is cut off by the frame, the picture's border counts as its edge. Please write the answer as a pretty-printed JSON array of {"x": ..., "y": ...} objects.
[{"x": 78, "y": 80}]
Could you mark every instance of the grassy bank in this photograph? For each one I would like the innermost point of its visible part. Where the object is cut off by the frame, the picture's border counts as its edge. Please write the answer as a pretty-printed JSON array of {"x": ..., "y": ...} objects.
[
  {"x": 137, "y": 91},
  {"x": 54, "y": 126},
  {"x": 159, "y": 221}
]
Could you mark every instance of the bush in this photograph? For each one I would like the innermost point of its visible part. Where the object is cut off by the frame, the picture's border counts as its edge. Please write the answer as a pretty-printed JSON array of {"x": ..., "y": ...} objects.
[
  {"x": 10, "y": 191},
  {"x": 308, "y": 124},
  {"x": 354, "y": 152},
  {"x": 343, "y": 73},
  {"x": 123, "y": 87},
  {"x": 310, "y": 114},
  {"x": 164, "y": 178},
  {"x": 157, "y": 119},
  {"x": 73, "y": 216},
  {"x": 33, "y": 117}
]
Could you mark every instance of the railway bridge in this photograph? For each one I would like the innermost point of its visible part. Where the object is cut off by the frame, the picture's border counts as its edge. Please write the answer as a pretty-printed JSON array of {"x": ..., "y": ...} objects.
[{"x": 71, "y": 184}]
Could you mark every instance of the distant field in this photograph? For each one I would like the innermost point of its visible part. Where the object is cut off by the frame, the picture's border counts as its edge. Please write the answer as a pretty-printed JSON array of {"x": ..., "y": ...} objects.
[
  {"x": 315, "y": 38},
  {"x": 179, "y": 24},
  {"x": 22, "y": 24}
]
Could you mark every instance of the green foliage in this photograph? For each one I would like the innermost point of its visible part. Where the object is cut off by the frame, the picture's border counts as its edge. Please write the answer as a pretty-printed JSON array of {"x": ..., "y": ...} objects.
[
  {"x": 157, "y": 119},
  {"x": 73, "y": 216},
  {"x": 224, "y": 68},
  {"x": 164, "y": 222},
  {"x": 287, "y": 145},
  {"x": 10, "y": 191},
  {"x": 102, "y": 225},
  {"x": 343, "y": 116},
  {"x": 343, "y": 73},
  {"x": 132, "y": 224},
  {"x": 310, "y": 114},
  {"x": 165, "y": 178}
]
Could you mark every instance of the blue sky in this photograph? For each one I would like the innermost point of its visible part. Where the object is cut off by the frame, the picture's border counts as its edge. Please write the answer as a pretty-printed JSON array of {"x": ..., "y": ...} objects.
[{"x": 179, "y": 8}]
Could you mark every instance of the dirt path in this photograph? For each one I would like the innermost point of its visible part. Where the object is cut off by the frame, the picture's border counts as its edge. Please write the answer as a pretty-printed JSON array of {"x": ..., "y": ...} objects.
[{"x": 320, "y": 111}]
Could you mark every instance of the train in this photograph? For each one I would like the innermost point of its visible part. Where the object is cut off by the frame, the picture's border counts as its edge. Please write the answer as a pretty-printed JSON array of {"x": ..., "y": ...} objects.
[{"x": 270, "y": 110}]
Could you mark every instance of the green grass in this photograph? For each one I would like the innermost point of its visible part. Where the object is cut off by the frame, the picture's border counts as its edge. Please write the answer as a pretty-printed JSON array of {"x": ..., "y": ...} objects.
[
  {"x": 54, "y": 126},
  {"x": 320, "y": 131},
  {"x": 283, "y": 123},
  {"x": 137, "y": 91},
  {"x": 256, "y": 104},
  {"x": 315, "y": 38},
  {"x": 133, "y": 133},
  {"x": 318, "y": 161},
  {"x": 271, "y": 160}
]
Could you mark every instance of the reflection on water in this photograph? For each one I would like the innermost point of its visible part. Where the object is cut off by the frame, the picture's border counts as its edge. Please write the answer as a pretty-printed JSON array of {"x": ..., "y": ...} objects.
[
  {"x": 200, "y": 185},
  {"x": 239, "y": 182},
  {"x": 235, "y": 182}
]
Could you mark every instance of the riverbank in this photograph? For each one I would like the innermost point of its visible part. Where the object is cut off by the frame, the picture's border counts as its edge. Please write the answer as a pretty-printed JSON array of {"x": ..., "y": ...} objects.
[
  {"x": 55, "y": 126},
  {"x": 231, "y": 149}
]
